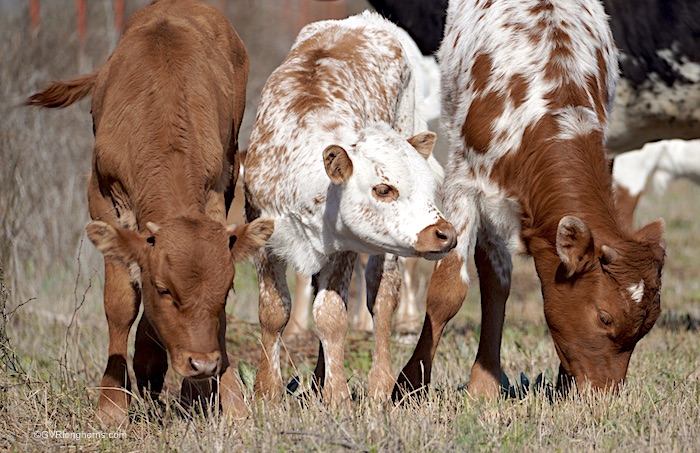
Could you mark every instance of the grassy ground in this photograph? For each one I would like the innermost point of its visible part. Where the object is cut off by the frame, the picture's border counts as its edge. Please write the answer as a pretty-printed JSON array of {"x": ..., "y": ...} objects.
[{"x": 53, "y": 335}]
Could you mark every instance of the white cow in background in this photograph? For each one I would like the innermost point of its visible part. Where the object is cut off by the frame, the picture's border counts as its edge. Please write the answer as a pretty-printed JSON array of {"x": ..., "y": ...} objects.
[{"x": 657, "y": 164}]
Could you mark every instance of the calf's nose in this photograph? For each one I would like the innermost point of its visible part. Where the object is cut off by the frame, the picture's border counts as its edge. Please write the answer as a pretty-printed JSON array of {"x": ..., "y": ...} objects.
[
  {"x": 436, "y": 239},
  {"x": 205, "y": 365}
]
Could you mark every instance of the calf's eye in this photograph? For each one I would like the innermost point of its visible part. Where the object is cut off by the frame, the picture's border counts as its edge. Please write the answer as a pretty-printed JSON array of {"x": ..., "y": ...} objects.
[
  {"x": 385, "y": 192},
  {"x": 605, "y": 319}
]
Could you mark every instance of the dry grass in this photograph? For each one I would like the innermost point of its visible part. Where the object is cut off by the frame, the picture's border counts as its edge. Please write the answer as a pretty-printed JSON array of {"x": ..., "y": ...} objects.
[{"x": 53, "y": 332}]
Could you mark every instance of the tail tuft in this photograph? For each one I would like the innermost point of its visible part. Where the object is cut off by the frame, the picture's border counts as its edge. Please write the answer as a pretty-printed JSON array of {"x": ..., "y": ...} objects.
[{"x": 62, "y": 94}]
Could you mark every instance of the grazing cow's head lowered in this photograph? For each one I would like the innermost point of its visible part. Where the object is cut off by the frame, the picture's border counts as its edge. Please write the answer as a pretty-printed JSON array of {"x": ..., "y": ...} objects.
[
  {"x": 604, "y": 298},
  {"x": 527, "y": 92},
  {"x": 187, "y": 270},
  {"x": 383, "y": 194}
]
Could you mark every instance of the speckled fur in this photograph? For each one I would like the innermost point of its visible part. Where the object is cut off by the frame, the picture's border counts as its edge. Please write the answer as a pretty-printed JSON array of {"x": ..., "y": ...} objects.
[
  {"x": 350, "y": 83},
  {"x": 527, "y": 91}
]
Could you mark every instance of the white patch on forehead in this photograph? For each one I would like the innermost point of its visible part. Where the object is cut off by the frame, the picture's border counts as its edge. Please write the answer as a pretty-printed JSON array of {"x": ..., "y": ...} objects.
[
  {"x": 636, "y": 291},
  {"x": 393, "y": 159}
]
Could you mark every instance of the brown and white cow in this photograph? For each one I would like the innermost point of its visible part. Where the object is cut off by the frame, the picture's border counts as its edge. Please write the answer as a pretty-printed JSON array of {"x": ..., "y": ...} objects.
[
  {"x": 340, "y": 158},
  {"x": 166, "y": 106},
  {"x": 527, "y": 89},
  {"x": 658, "y": 94}
]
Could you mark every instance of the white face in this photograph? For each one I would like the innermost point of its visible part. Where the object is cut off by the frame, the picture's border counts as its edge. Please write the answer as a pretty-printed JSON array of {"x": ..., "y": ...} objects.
[{"x": 390, "y": 196}]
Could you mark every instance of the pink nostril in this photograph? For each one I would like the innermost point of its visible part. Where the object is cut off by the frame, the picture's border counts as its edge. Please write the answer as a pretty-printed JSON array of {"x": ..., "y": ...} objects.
[{"x": 442, "y": 236}]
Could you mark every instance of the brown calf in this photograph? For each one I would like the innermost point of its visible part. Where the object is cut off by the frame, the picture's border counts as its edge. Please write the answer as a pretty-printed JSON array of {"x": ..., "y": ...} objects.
[
  {"x": 527, "y": 90},
  {"x": 166, "y": 107}
]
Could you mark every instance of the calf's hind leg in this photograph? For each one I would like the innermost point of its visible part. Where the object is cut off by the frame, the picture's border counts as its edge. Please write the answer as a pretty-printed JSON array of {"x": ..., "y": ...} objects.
[{"x": 383, "y": 287}]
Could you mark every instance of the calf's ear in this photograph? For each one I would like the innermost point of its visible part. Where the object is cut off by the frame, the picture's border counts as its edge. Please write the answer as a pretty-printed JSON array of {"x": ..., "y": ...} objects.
[
  {"x": 119, "y": 244},
  {"x": 653, "y": 234},
  {"x": 574, "y": 244},
  {"x": 424, "y": 143},
  {"x": 338, "y": 164},
  {"x": 245, "y": 240}
]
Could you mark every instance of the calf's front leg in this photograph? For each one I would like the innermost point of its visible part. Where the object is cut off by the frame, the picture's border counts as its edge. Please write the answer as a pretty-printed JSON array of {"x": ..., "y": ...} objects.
[
  {"x": 446, "y": 293},
  {"x": 150, "y": 360},
  {"x": 494, "y": 265},
  {"x": 331, "y": 319},
  {"x": 122, "y": 298},
  {"x": 273, "y": 310}
]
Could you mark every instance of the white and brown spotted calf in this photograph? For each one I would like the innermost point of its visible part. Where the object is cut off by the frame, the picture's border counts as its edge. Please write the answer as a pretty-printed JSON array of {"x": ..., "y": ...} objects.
[
  {"x": 527, "y": 89},
  {"x": 340, "y": 158}
]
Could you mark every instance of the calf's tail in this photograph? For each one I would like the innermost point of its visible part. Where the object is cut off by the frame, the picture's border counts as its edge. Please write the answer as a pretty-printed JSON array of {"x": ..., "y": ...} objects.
[{"x": 64, "y": 93}]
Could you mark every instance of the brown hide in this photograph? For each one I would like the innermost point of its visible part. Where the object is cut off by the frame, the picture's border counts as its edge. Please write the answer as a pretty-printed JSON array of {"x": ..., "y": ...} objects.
[
  {"x": 166, "y": 106},
  {"x": 526, "y": 117},
  {"x": 593, "y": 319}
]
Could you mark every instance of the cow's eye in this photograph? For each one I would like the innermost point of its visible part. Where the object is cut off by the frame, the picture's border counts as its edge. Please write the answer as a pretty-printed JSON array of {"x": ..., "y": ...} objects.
[
  {"x": 605, "y": 318},
  {"x": 385, "y": 192},
  {"x": 163, "y": 291}
]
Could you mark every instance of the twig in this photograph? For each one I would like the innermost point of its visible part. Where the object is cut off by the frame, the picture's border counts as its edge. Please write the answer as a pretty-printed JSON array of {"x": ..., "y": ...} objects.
[
  {"x": 349, "y": 446},
  {"x": 11, "y": 314},
  {"x": 77, "y": 305}
]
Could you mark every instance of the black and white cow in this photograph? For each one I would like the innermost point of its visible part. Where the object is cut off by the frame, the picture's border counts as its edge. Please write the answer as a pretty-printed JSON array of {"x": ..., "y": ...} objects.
[
  {"x": 424, "y": 20},
  {"x": 658, "y": 95}
]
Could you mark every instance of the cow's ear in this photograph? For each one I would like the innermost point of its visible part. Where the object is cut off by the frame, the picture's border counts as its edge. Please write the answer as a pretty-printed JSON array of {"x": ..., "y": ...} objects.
[
  {"x": 653, "y": 232},
  {"x": 424, "y": 143},
  {"x": 245, "y": 240},
  {"x": 338, "y": 164},
  {"x": 574, "y": 244},
  {"x": 118, "y": 244}
]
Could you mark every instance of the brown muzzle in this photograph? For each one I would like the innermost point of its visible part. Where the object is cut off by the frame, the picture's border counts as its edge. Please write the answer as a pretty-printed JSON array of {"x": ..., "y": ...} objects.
[
  {"x": 436, "y": 240},
  {"x": 196, "y": 365}
]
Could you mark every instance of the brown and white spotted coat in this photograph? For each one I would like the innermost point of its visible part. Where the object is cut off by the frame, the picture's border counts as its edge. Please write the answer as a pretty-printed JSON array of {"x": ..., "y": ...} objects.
[
  {"x": 340, "y": 157},
  {"x": 166, "y": 107},
  {"x": 527, "y": 90}
]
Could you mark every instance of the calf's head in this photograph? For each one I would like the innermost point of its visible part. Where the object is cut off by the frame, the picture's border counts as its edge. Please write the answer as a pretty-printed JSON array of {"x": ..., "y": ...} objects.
[
  {"x": 383, "y": 192},
  {"x": 600, "y": 299},
  {"x": 187, "y": 270}
]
